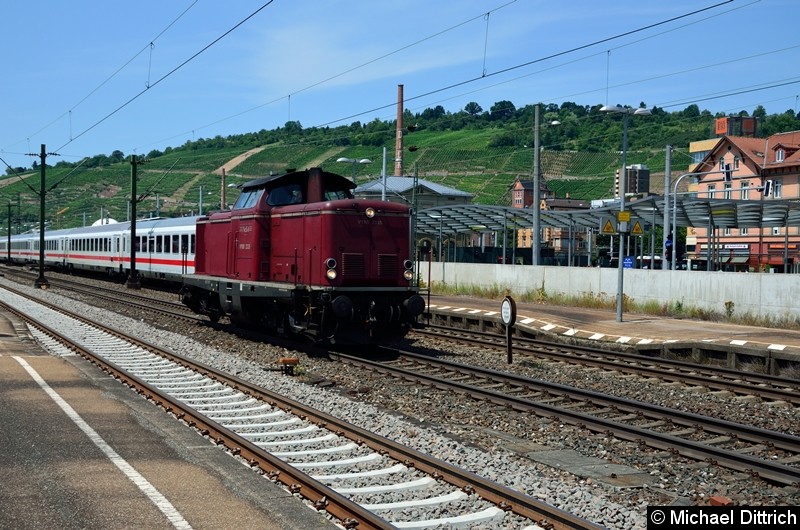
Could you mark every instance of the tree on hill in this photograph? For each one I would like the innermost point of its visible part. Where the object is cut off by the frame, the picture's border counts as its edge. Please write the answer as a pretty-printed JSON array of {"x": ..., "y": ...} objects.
[
  {"x": 473, "y": 109},
  {"x": 502, "y": 110}
]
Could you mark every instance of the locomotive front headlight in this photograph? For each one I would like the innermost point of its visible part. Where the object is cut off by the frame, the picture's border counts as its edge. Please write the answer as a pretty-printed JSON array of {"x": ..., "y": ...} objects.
[
  {"x": 370, "y": 212},
  {"x": 408, "y": 275},
  {"x": 408, "y": 264},
  {"x": 331, "y": 273}
]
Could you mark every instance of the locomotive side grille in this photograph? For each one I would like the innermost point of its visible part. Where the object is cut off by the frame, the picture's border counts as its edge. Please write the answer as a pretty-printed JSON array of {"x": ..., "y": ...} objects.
[
  {"x": 387, "y": 265},
  {"x": 353, "y": 265}
]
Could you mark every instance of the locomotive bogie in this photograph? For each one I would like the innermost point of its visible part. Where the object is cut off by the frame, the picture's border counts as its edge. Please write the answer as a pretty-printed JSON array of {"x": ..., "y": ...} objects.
[{"x": 346, "y": 315}]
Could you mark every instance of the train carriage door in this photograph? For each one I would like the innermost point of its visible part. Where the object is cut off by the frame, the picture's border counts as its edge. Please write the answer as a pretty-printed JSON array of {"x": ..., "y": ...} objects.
[
  {"x": 117, "y": 252},
  {"x": 245, "y": 247},
  {"x": 231, "y": 243},
  {"x": 186, "y": 252},
  {"x": 63, "y": 251},
  {"x": 150, "y": 244}
]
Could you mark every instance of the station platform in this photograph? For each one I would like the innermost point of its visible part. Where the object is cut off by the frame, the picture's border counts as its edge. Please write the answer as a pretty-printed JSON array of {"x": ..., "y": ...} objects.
[
  {"x": 81, "y": 450},
  {"x": 601, "y": 325}
]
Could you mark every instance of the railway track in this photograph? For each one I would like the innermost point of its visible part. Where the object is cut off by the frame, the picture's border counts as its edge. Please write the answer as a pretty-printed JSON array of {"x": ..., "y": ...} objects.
[
  {"x": 360, "y": 478},
  {"x": 770, "y": 455},
  {"x": 130, "y": 298},
  {"x": 715, "y": 378}
]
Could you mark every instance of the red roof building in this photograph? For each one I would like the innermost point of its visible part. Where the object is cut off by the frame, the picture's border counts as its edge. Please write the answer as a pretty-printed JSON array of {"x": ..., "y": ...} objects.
[{"x": 750, "y": 169}]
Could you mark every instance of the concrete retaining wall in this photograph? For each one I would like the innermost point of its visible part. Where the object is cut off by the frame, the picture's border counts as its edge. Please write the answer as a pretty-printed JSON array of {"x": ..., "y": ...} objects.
[{"x": 764, "y": 295}]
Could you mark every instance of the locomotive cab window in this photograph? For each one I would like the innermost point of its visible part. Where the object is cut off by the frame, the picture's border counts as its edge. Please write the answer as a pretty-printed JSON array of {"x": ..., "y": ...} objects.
[
  {"x": 283, "y": 195},
  {"x": 247, "y": 199},
  {"x": 334, "y": 195},
  {"x": 335, "y": 191}
]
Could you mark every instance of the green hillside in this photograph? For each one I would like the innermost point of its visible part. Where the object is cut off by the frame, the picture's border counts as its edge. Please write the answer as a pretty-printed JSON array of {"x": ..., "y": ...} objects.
[
  {"x": 480, "y": 153},
  {"x": 171, "y": 184}
]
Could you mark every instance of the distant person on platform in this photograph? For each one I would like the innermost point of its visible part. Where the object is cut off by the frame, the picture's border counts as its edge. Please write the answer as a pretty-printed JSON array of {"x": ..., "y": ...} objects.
[{"x": 668, "y": 249}]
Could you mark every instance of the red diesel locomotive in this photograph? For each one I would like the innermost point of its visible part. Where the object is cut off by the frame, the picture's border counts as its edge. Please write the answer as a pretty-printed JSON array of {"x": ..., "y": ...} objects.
[{"x": 299, "y": 255}]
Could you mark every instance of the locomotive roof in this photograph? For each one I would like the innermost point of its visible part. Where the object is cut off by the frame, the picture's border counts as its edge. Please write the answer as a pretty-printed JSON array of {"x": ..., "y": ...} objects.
[{"x": 332, "y": 180}]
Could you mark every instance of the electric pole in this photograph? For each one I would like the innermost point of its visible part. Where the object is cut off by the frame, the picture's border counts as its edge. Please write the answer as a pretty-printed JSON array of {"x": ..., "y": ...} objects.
[
  {"x": 41, "y": 282},
  {"x": 133, "y": 276}
]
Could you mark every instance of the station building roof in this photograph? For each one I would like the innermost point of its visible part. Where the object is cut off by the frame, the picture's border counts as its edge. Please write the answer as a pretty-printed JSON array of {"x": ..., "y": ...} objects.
[{"x": 688, "y": 211}]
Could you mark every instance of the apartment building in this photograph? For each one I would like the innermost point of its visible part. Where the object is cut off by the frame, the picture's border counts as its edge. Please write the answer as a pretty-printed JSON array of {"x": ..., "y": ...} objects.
[{"x": 749, "y": 169}]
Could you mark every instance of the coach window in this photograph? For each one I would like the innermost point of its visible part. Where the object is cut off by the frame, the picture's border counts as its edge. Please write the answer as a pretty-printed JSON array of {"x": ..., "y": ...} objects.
[
  {"x": 159, "y": 244},
  {"x": 176, "y": 244}
]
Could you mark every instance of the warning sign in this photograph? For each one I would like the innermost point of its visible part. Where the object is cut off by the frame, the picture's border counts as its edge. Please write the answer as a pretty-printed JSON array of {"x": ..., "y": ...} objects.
[
  {"x": 608, "y": 227},
  {"x": 637, "y": 229}
]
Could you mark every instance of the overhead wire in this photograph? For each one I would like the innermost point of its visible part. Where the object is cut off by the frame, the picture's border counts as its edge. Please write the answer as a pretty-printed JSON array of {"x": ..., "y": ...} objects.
[
  {"x": 484, "y": 74},
  {"x": 396, "y": 51},
  {"x": 117, "y": 71},
  {"x": 169, "y": 73},
  {"x": 535, "y": 61}
]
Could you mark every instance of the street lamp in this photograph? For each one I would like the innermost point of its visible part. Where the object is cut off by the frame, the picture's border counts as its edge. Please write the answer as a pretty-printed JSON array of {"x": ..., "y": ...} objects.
[
  {"x": 354, "y": 161},
  {"x": 626, "y": 111},
  {"x": 675, "y": 210}
]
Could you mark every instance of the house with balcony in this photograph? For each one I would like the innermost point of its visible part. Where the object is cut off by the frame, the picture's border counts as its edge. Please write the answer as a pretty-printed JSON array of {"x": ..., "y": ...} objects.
[{"x": 749, "y": 169}]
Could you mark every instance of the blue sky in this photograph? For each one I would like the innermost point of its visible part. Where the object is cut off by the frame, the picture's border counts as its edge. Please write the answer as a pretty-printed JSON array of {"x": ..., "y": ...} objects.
[{"x": 88, "y": 77}]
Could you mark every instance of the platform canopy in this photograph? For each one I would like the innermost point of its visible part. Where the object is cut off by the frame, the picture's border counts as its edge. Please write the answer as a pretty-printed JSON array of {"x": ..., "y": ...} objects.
[{"x": 694, "y": 212}]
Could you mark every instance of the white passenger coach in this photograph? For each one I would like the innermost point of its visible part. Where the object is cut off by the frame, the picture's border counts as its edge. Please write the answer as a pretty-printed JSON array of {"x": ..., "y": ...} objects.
[{"x": 165, "y": 248}]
